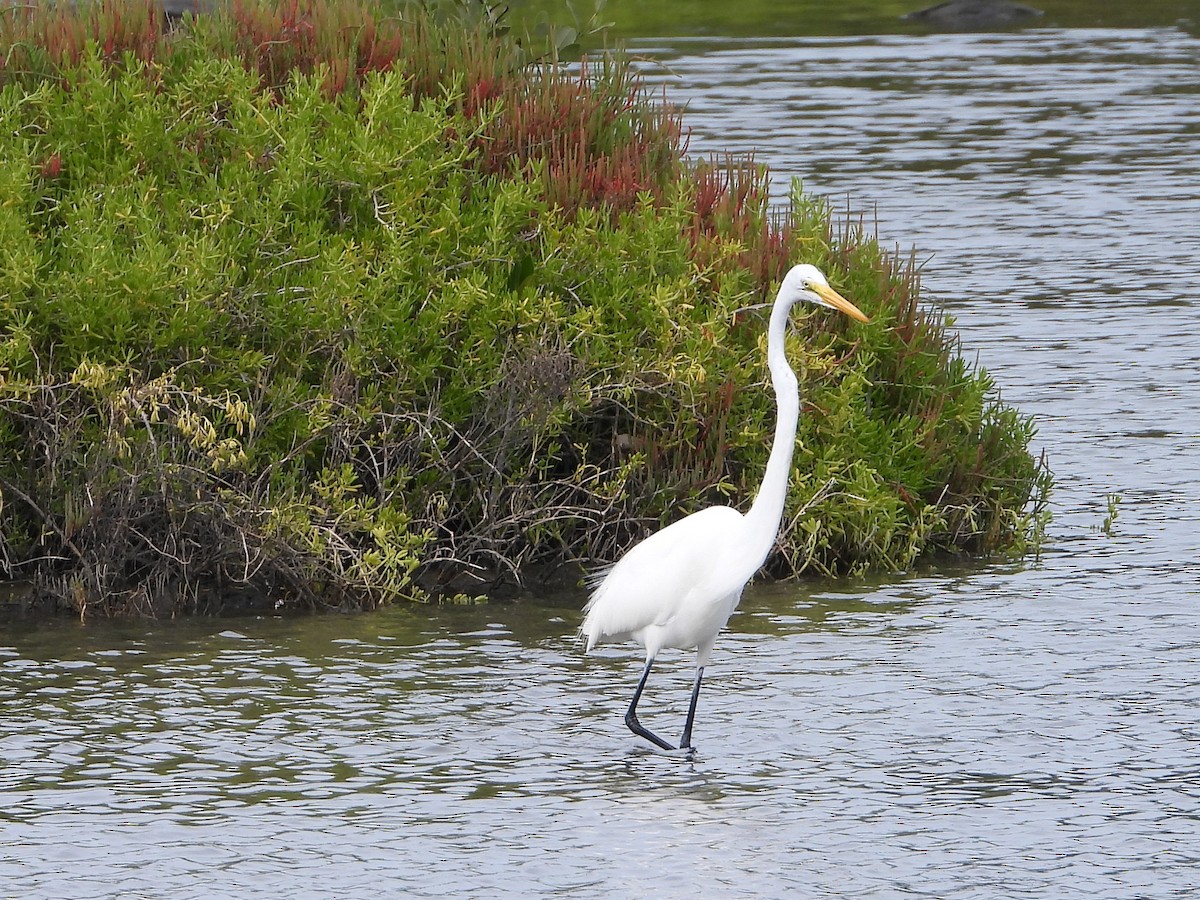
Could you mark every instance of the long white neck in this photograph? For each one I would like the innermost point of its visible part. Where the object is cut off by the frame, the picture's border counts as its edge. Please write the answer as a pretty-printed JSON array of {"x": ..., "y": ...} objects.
[{"x": 763, "y": 519}]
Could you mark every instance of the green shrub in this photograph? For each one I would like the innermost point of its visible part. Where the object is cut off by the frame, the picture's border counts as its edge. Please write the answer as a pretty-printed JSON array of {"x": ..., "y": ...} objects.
[{"x": 336, "y": 320}]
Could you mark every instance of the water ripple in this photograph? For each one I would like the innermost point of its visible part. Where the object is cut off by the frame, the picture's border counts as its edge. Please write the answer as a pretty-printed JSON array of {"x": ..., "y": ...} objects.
[{"x": 968, "y": 731}]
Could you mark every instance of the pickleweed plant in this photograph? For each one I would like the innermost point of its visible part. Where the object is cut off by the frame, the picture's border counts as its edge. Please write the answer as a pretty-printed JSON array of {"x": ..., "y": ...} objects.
[{"x": 310, "y": 304}]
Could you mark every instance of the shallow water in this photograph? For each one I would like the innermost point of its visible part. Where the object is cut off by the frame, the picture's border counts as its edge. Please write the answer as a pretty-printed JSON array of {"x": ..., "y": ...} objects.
[
  {"x": 1051, "y": 181},
  {"x": 991, "y": 730}
]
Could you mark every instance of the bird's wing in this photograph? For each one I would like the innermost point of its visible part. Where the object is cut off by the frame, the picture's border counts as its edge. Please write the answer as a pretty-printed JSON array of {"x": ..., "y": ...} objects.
[{"x": 652, "y": 582}]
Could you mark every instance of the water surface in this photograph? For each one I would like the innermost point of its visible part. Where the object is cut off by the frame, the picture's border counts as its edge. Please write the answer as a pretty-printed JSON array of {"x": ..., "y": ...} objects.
[{"x": 981, "y": 730}]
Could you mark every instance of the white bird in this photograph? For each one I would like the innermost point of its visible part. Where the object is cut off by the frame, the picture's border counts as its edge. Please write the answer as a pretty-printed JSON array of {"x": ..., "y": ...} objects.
[{"x": 678, "y": 587}]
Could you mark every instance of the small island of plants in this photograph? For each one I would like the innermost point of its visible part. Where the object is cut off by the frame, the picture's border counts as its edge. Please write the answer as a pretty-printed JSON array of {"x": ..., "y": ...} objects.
[{"x": 307, "y": 304}]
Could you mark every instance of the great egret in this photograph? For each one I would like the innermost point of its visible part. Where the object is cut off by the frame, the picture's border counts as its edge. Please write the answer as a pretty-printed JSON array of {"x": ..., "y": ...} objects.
[{"x": 678, "y": 587}]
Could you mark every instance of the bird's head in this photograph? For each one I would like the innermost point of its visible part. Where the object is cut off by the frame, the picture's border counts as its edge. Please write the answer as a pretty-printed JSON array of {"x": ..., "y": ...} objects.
[{"x": 806, "y": 283}]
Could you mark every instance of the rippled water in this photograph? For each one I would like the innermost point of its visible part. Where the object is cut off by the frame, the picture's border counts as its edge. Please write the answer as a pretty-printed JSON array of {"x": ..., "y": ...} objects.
[
  {"x": 986, "y": 731},
  {"x": 1052, "y": 180}
]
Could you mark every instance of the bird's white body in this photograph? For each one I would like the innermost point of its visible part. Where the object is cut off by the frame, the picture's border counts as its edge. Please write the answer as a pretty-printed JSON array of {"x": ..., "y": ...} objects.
[{"x": 678, "y": 587}]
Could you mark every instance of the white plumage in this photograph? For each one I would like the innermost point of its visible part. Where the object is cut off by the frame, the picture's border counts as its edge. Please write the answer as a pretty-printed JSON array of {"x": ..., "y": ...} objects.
[
  {"x": 668, "y": 590},
  {"x": 678, "y": 587}
]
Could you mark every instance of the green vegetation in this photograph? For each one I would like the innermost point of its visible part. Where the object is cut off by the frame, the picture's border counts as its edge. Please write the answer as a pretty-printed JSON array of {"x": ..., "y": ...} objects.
[
  {"x": 1112, "y": 504},
  {"x": 304, "y": 303}
]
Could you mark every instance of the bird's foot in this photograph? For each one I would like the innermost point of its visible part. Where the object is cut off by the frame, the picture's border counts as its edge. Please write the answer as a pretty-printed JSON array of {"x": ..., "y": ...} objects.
[
  {"x": 682, "y": 754},
  {"x": 641, "y": 731}
]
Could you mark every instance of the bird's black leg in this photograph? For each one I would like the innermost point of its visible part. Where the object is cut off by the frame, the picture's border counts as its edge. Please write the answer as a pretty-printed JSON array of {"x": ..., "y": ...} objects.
[
  {"x": 685, "y": 742},
  {"x": 631, "y": 718}
]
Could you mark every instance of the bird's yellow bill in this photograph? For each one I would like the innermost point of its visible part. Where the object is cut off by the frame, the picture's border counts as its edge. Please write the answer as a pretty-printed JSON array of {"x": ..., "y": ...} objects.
[{"x": 838, "y": 302}]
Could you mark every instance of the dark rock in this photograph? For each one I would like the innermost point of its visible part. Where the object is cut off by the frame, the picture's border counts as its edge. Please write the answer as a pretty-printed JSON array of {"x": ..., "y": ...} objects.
[{"x": 973, "y": 15}]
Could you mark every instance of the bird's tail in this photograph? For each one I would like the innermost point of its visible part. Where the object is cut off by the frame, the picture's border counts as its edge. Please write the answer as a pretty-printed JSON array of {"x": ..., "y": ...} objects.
[
  {"x": 594, "y": 580},
  {"x": 584, "y": 639},
  {"x": 589, "y": 631}
]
